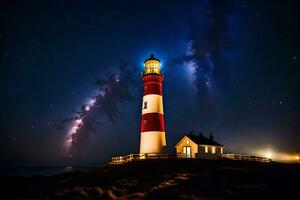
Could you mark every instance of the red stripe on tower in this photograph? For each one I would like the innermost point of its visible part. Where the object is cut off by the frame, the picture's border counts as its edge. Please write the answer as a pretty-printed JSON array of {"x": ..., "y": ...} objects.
[
  {"x": 152, "y": 84},
  {"x": 153, "y": 122}
]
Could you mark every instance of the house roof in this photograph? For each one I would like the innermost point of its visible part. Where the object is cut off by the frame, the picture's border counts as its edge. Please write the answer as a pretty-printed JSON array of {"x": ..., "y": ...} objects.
[{"x": 198, "y": 139}]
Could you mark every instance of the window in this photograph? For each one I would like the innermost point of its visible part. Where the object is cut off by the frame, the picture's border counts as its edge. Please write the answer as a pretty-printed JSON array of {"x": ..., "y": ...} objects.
[
  {"x": 184, "y": 150},
  {"x": 187, "y": 142},
  {"x": 145, "y": 105},
  {"x": 213, "y": 150},
  {"x": 206, "y": 149},
  {"x": 221, "y": 150},
  {"x": 145, "y": 122}
]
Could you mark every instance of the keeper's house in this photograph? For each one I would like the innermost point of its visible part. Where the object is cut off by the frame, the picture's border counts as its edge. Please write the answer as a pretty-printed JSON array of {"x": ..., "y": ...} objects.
[{"x": 198, "y": 146}]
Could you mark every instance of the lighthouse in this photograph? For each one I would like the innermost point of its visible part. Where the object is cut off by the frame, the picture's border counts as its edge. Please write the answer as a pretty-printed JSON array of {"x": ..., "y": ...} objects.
[{"x": 153, "y": 135}]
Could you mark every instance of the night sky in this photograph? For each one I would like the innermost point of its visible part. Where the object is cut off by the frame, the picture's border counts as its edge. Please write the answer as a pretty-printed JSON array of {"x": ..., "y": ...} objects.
[{"x": 231, "y": 68}]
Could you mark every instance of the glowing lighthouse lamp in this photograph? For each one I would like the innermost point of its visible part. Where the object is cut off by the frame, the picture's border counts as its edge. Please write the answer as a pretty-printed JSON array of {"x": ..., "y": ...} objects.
[{"x": 153, "y": 136}]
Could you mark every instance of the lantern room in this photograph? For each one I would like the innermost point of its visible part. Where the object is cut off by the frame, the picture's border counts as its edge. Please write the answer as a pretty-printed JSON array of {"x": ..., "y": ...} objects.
[{"x": 151, "y": 65}]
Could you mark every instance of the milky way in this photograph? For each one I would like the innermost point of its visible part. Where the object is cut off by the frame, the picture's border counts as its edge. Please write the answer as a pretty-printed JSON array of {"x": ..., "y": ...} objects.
[{"x": 101, "y": 108}]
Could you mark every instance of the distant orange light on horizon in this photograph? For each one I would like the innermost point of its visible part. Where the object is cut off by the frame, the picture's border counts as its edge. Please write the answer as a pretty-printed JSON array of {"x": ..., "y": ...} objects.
[{"x": 278, "y": 156}]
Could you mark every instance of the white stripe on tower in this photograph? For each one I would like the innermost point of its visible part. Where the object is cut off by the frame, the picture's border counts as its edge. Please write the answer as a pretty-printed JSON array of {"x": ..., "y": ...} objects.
[
  {"x": 149, "y": 139},
  {"x": 152, "y": 103}
]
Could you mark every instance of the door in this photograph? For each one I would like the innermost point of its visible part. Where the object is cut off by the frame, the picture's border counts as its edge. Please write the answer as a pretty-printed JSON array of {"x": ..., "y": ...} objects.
[{"x": 187, "y": 151}]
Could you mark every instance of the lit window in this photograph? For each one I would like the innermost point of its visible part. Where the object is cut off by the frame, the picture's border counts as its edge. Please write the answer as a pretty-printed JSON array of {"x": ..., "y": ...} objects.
[
  {"x": 213, "y": 150},
  {"x": 187, "y": 142},
  {"x": 221, "y": 150},
  {"x": 145, "y": 122},
  {"x": 206, "y": 149},
  {"x": 145, "y": 105}
]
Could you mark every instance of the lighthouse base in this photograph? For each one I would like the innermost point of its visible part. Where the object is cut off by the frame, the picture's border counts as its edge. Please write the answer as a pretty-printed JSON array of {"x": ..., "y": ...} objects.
[{"x": 153, "y": 142}]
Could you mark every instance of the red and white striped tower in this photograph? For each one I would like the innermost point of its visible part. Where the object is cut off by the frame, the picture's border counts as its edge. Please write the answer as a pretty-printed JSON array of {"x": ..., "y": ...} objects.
[{"x": 153, "y": 136}]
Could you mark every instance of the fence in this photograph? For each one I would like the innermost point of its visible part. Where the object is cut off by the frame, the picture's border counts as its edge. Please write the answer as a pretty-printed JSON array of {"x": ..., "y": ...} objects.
[
  {"x": 246, "y": 157},
  {"x": 123, "y": 159},
  {"x": 134, "y": 157}
]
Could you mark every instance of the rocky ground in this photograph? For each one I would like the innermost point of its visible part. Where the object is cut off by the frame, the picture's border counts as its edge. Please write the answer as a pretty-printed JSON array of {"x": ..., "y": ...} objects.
[{"x": 164, "y": 179}]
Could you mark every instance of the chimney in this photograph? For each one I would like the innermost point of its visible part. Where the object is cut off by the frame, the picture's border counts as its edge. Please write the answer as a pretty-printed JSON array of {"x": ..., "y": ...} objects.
[
  {"x": 200, "y": 134},
  {"x": 191, "y": 132},
  {"x": 211, "y": 136}
]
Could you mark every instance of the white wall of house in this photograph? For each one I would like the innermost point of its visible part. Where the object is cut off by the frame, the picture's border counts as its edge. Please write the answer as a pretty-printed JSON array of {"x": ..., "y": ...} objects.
[
  {"x": 209, "y": 152},
  {"x": 186, "y": 142}
]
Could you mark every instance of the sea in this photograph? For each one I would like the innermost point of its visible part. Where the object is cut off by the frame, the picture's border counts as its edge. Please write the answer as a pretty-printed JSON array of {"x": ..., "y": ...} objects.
[{"x": 39, "y": 171}]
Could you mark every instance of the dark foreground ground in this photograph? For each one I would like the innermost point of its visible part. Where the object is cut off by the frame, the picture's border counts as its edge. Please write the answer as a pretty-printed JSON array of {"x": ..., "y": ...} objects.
[{"x": 164, "y": 179}]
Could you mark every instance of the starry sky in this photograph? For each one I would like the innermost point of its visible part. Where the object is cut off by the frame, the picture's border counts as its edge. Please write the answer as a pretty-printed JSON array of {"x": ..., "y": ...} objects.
[{"x": 231, "y": 68}]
